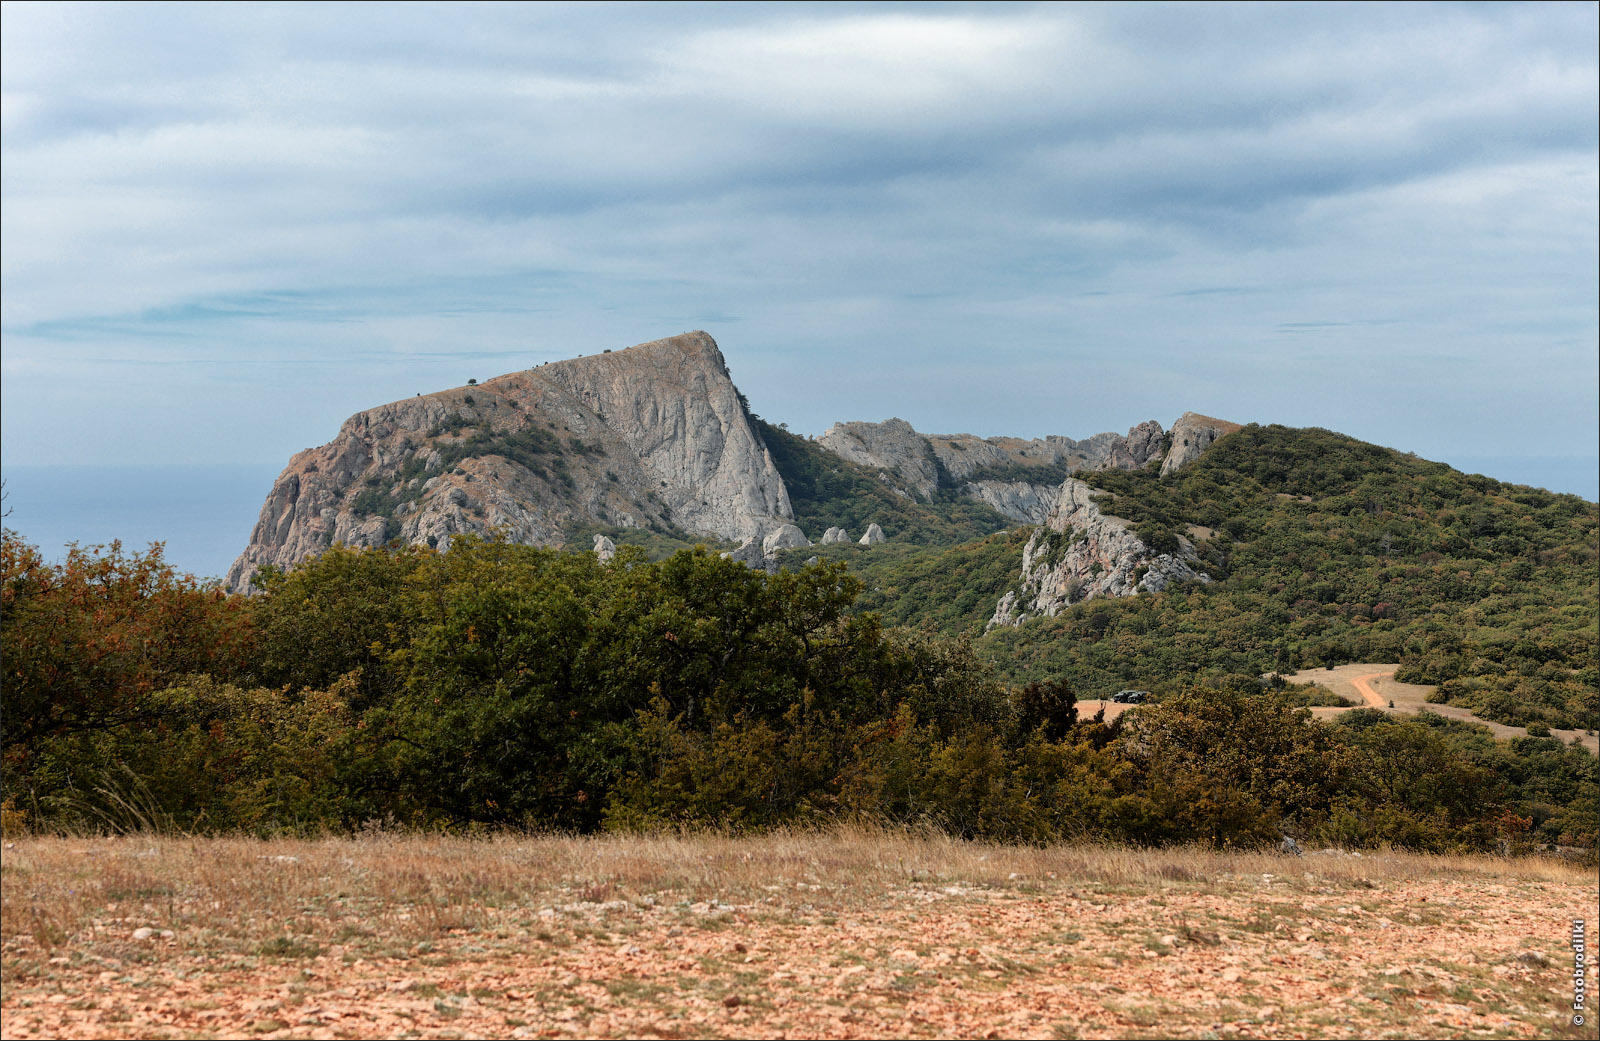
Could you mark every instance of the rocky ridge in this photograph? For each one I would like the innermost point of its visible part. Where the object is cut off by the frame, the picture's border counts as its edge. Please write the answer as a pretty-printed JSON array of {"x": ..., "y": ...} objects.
[
  {"x": 1078, "y": 552},
  {"x": 654, "y": 436},
  {"x": 995, "y": 470}
]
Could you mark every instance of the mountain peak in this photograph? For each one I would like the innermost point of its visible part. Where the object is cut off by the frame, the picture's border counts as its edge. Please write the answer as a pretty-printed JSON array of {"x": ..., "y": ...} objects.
[{"x": 652, "y": 436}]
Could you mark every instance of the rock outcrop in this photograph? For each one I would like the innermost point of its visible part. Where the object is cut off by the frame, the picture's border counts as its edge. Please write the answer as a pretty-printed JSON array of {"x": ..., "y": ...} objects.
[
  {"x": 762, "y": 554},
  {"x": 750, "y": 555},
  {"x": 873, "y": 536},
  {"x": 833, "y": 535},
  {"x": 1081, "y": 553},
  {"x": 1019, "y": 500},
  {"x": 604, "y": 548},
  {"x": 1191, "y": 435},
  {"x": 654, "y": 436},
  {"x": 891, "y": 447},
  {"x": 675, "y": 406}
]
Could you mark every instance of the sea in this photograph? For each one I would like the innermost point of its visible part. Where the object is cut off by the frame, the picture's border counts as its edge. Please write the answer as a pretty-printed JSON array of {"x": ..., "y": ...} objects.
[{"x": 203, "y": 514}]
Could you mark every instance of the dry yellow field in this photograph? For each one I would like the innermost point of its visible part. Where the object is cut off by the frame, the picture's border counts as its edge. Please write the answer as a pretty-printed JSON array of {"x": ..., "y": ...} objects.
[{"x": 843, "y": 934}]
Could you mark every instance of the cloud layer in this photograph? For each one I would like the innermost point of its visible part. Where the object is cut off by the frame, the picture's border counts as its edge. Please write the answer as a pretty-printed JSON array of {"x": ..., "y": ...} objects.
[{"x": 227, "y": 227}]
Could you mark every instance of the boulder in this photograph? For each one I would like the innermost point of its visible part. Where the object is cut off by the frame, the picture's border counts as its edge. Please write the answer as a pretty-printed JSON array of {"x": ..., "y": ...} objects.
[
  {"x": 788, "y": 536},
  {"x": 604, "y": 548},
  {"x": 873, "y": 536},
  {"x": 749, "y": 554},
  {"x": 833, "y": 535}
]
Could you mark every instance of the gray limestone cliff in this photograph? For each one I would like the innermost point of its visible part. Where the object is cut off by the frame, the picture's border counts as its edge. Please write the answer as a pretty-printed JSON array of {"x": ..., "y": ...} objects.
[
  {"x": 1019, "y": 500},
  {"x": 654, "y": 436},
  {"x": 891, "y": 447},
  {"x": 1081, "y": 553},
  {"x": 675, "y": 406}
]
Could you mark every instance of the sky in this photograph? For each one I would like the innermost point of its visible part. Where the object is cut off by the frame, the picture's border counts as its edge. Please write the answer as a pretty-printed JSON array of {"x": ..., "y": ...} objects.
[{"x": 224, "y": 228}]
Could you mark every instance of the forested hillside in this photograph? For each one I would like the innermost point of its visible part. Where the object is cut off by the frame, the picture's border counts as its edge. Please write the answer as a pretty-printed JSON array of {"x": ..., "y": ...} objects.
[
  {"x": 1328, "y": 550},
  {"x": 1325, "y": 550}
]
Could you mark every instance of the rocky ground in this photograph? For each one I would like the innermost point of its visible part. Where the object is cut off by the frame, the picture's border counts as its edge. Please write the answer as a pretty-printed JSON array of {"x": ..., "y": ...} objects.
[{"x": 840, "y": 935}]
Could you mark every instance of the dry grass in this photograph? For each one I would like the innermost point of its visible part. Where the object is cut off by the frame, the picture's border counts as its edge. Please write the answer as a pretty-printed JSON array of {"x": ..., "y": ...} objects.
[{"x": 630, "y": 935}]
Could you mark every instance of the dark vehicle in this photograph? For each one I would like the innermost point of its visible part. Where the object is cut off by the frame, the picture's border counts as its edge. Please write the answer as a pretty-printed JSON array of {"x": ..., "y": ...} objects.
[{"x": 1130, "y": 697}]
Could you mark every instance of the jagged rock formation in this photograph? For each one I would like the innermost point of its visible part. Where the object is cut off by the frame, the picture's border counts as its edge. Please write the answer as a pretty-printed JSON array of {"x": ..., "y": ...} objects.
[
  {"x": 675, "y": 406},
  {"x": 604, "y": 548},
  {"x": 1081, "y": 553},
  {"x": 652, "y": 436},
  {"x": 1191, "y": 435},
  {"x": 873, "y": 536},
  {"x": 918, "y": 464}
]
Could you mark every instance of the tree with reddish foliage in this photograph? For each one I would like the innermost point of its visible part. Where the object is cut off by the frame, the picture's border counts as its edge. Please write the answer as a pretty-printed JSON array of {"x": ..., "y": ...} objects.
[{"x": 87, "y": 640}]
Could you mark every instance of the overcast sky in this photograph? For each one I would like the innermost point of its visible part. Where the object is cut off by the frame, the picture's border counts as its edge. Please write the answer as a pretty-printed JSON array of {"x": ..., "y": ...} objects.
[{"x": 227, "y": 227}]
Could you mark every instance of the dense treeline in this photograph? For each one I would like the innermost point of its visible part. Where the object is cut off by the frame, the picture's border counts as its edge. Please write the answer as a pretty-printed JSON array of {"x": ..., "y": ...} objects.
[{"x": 508, "y": 685}]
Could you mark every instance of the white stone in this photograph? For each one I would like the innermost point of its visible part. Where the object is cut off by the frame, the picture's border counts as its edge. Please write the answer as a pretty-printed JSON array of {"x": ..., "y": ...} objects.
[{"x": 789, "y": 536}]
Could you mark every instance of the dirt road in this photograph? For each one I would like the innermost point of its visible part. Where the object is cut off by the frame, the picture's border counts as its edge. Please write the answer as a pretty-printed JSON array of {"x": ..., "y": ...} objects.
[
  {"x": 1375, "y": 686},
  {"x": 1363, "y": 685}
]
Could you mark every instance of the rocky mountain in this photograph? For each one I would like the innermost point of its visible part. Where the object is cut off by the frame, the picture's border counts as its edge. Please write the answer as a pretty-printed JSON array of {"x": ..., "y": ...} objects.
[
  {"x": 653, "y": 437},
  {"x": 1080, "y": 553},
  {"x": 657, "y": 438}
]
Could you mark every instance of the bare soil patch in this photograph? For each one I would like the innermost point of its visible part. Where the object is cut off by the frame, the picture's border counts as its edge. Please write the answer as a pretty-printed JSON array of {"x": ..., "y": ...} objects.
[
  {"x": 1373, "y": 685},
  {"x": 848, "y": 934},
  {"x": 1087, "y": 708}
]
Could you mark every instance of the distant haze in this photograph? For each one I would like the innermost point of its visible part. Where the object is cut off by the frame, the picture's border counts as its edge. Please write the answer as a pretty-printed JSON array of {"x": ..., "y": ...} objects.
[{"x": 228, "y": 227}]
